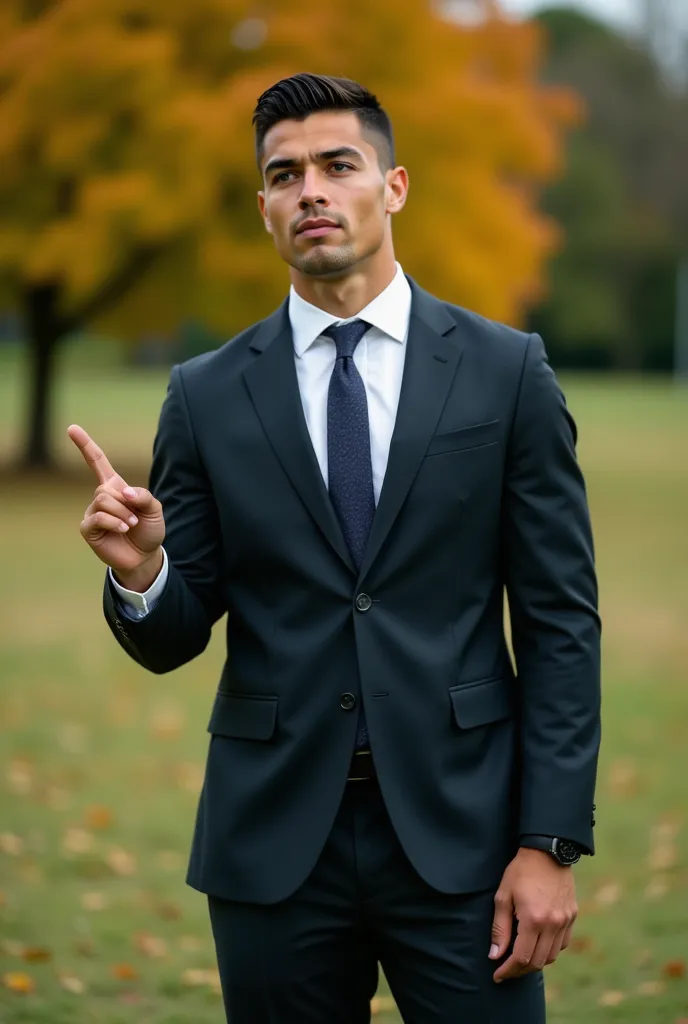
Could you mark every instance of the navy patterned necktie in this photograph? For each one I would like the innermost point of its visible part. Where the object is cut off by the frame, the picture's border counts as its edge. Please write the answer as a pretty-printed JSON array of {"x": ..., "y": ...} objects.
[{"x": 349, "y": 465}]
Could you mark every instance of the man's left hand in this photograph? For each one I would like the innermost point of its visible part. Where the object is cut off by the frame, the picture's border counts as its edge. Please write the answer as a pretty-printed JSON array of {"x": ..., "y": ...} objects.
[{"x": 541, "y": 894}]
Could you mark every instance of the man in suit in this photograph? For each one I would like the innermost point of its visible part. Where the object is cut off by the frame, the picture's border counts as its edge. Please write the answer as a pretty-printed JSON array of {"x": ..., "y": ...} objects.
[{"x": 355, "y": 481}]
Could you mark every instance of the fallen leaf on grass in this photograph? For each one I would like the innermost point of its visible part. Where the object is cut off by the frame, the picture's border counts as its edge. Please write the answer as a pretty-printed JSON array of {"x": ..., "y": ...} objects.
[
  {"x": 124, "y": 972},
  {"x": 168, "y": 721},
  {"x": 121, "y": 862},
  {"x": 123, "y": 709},
  {"x": 17, "y": 981},
  {"x": 11, "y": 947},
  {"x": 11, "y": 844},
  {"x": 664, "y": 857},
  {"x": 382, "y": 1004},
  {"x": 85, "y": 947},
  {"x": 651, "y": 988},
  {"x": 32, "y": 873},
  {"x": 580, "y": 944},
  {"x": 198, "y": 976},
  {"x": 94, "y": 901},
  {"x": 150, "y": 945},
  {"x": 656, "y": 888},
  {"x": 611, "y": 998},
  {"x": 674, "y": 969},
  {"x": 608, "y": 894},
  {"x": 36, "y": 954},
  {"x": 57, "y": 799},
  {"x": 623, "y": 778},
  {"x": 98, "y": 816},
  {"x": 129, "y": 998},
  {"x": 169, "y": 860},
  {"x": 664, "y": 831},
  {"x": 20, "y": 776},
  {"x": 552, "y": 994},
  {"x": 190, "y": 776},
  {"x": 71, "y": 984},
  {"x": 77, "y": 840},
  {"x": 169, "y": 911}
]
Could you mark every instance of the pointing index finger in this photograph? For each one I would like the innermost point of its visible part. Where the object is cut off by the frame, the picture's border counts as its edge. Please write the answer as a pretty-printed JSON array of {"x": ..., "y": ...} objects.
[{"x": 94, "y": 456}]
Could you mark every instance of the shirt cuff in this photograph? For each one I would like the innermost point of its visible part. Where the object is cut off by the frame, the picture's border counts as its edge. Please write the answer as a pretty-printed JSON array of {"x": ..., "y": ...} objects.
[{"x": 140, "y": 605}]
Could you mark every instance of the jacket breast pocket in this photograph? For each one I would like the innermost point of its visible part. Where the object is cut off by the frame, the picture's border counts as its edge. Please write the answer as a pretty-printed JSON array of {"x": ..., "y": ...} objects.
[
  {"x": 482, "y": 702},
  {"x": 478, "y": 435},
  {"x": 243, "y": 717}
]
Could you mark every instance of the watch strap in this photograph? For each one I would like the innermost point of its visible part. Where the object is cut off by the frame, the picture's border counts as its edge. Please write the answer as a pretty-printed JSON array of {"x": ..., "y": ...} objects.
[
  {"x": 537, "y": 842},
  {"x": 565, "y": 851}
]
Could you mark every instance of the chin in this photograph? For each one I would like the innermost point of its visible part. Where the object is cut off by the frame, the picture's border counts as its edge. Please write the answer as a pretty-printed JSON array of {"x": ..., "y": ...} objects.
[{"x": 323, "y": 261}]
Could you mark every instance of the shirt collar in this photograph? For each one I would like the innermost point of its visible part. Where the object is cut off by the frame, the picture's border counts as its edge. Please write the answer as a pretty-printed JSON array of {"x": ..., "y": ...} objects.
[{"x": 389, "y": 311}]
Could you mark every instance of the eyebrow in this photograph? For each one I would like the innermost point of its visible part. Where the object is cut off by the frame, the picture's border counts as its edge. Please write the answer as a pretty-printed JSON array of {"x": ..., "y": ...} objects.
[{"x": 286, "y": 163}]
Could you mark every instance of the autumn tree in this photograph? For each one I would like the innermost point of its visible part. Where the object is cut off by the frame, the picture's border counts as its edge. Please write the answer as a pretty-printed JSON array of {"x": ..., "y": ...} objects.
[{"x": 128, "y": 181}]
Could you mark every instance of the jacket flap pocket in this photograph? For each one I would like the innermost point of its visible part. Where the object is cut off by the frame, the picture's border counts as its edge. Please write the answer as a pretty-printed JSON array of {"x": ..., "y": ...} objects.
[
  {"x": 464, "y": 437},
  {"x": 243, "y": 717},
  {"x": 482, "y": 702}
]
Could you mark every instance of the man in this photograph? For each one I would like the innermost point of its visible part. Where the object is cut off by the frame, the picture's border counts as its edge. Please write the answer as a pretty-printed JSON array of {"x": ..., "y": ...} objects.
[{"x": 354, "y": 481}]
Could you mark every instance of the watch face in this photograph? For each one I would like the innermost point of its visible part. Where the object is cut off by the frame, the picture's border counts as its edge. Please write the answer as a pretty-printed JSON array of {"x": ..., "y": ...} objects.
[{"x": 567, "y": 852}]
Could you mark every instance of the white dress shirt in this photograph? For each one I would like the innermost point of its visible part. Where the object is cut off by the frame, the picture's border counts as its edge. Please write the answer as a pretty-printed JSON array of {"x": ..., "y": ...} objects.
[{"x": 379, "y": 358}]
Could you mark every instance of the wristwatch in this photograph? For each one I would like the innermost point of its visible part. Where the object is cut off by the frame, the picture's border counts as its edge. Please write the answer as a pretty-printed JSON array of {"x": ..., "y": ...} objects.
[{"x": 564, "y": 851}]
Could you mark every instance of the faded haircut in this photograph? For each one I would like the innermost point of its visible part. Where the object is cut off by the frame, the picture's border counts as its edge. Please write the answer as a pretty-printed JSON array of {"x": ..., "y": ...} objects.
[{"x": 297, "y": 97}]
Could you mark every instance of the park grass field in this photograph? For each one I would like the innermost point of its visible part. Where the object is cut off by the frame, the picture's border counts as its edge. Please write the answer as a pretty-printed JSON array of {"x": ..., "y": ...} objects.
[{"x": 100, "y": 763}]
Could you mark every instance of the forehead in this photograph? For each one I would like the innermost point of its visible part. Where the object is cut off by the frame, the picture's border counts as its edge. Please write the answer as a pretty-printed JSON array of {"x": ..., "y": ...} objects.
[{"x": 295, "y": 140}]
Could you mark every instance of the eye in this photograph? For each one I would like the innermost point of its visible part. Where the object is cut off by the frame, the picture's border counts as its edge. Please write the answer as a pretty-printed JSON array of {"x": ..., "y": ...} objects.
[
  {"x": 280, "y": 178},
  {"x": 339, "y": 166}
]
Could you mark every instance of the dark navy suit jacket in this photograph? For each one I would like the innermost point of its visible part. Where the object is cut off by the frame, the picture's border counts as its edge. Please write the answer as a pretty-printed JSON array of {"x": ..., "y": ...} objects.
[{"x": 482, "y": 493}]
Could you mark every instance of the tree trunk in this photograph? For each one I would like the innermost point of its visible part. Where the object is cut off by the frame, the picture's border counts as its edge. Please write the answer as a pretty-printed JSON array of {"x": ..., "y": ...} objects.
[
  {"x": 46, "y": 328},
  {"x": 44, "y": 333}
]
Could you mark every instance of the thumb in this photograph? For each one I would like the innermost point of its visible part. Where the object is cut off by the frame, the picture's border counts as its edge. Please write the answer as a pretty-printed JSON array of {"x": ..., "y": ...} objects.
[
  {"x": 502, "y": 925},
  {"x": 140, "y": 497}
]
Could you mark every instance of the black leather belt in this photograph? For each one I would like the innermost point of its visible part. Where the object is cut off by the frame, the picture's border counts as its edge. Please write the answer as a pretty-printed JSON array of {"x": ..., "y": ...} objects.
[{"x": 361, "y": 767}]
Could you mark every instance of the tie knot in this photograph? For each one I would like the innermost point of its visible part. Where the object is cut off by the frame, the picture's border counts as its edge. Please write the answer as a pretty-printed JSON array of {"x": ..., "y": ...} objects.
[{"x": 347, "y": 336}]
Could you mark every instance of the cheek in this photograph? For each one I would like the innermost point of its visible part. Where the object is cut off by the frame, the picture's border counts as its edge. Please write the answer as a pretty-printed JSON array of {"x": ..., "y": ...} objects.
[
  {"x": 279, "y": 225},
  {"x": 370, "y": 211}
]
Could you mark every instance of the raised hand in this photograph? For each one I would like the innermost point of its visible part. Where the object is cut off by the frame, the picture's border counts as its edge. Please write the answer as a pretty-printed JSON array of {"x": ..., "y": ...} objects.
[{"x": 123, "y": 525}]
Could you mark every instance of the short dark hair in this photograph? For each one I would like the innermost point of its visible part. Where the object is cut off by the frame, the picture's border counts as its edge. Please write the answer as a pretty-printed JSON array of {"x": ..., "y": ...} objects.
[{"x": 299, "y": 96}]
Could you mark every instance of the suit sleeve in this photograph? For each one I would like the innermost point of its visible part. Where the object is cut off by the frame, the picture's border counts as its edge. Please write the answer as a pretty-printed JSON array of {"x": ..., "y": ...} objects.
[
  {"x": 552, "y": 591},
  {"x": 178, "y": 628}
]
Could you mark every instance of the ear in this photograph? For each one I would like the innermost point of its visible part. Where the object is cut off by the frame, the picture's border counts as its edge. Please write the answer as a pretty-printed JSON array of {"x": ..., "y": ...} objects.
[
  {"x": 396, "y": 189},
  {"x": 263, "y": 212}
]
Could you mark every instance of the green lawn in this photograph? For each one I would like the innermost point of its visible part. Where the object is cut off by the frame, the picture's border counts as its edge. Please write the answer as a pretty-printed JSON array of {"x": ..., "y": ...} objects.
[{"x": 100, "y": 763}]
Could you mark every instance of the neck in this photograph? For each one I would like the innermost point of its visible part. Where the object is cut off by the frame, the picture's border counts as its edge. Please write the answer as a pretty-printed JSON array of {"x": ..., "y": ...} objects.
[{"x": 346, "y": 295}]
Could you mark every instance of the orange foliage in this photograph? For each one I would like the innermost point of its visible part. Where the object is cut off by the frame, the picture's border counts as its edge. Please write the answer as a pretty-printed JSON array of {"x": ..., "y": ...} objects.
[{"x": 125, "y": 126}]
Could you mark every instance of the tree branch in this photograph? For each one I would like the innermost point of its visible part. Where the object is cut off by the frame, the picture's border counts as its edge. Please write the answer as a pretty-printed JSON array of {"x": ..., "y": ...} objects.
[{"x": 112, "y": 289}]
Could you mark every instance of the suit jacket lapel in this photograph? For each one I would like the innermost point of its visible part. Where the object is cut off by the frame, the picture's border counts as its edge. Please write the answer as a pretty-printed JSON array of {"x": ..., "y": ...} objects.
[
  {"x": 273, "y": 385},
  {"x": 430, "y": 366}
]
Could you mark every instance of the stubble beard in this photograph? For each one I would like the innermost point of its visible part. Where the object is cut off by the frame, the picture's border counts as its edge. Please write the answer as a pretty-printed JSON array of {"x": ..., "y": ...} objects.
[{"x": 324, "y": 262}]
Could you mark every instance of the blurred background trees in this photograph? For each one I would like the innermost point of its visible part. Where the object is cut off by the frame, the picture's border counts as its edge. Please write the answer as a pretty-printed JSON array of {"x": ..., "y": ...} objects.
[
  {"x": 623, "y": 203},
  {"x": 128, "y": 181}
]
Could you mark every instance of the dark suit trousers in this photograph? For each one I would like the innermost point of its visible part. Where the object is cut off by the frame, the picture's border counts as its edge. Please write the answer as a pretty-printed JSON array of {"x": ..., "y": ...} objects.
[{"x": 313, "y": 958}]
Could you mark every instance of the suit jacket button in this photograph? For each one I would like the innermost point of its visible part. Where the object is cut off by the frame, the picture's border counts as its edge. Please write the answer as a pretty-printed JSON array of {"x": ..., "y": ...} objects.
[
  {"x": 347, "y": 701},
  {"x": 364, "y": 603}
]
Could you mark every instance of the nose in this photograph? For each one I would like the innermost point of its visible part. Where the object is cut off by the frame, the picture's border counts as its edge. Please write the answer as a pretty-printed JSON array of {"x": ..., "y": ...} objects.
[{"x": 312, "y": 191}]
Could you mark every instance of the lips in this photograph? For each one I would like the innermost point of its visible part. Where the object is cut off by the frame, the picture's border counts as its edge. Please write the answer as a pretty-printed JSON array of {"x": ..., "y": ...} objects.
[{"x": 316, "y": 228}]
